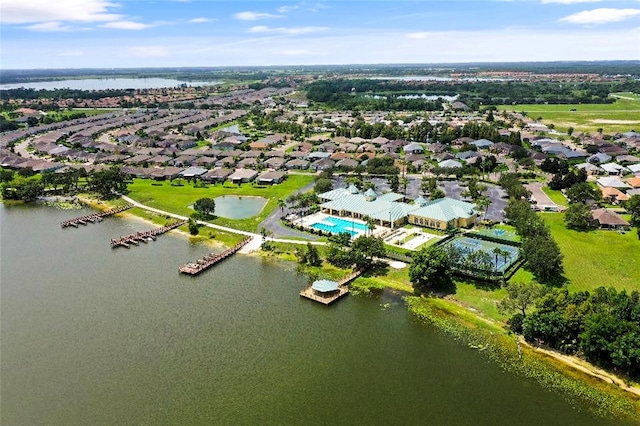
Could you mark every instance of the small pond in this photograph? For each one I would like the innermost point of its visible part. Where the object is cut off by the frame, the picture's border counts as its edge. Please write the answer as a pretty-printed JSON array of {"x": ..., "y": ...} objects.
[{"x": 239, "y": 207}]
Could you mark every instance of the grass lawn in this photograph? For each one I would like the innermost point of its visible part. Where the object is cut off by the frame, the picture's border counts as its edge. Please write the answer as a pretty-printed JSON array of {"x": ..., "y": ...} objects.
[
  {"x": 556, "y": 196},
  {"x": 177, "y": 199},
  {"x": 597, "y": 258},
  {"x": 621, "y": 116}
]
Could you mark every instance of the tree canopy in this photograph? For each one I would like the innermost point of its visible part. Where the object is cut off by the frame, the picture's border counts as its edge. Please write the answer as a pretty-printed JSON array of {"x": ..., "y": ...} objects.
[
  {"x": 430, "y": 269},
  {"x": 205, "y": 206}
]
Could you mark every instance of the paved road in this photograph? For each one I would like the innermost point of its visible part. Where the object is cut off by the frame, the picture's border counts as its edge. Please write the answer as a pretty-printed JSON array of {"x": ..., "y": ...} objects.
[
  {"x": 219, "y": 227},
  {"x": 538, "y": 194},
  {"x": 272, "y": 222}
]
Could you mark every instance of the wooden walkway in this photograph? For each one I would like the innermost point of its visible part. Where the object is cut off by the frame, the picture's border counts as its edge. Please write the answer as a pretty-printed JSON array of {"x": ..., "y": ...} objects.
[
  {"x": 194, "y": 268},
  {"x": 93, "y": 218},
  {"x": 343, "y": 289},
  {"x": 136, "y": 238}
]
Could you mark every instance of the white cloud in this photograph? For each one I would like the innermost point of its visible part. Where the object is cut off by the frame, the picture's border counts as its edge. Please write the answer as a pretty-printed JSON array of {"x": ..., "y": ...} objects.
[
  {"x": 285, "y": 9},
  {"x": 27, "y": 11},
  {"x": 126, "y": 25},
  {"x": 570, "y": 1},
  {"x": 200, "y": 20},
  {"x": 286, "y": 30},
  {"x": 148, "y": 51},
  {"x": 49, "y": 27},
  {"x": 254, "y": 16},
  {"x": 600, "y": 16},
  {"x": 418, "y": 36}
]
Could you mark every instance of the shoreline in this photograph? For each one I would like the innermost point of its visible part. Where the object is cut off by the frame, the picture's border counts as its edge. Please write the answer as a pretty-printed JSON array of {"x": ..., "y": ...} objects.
[
  {"x": 575, "y": 364},
  {"x": 102, "y": 205}
]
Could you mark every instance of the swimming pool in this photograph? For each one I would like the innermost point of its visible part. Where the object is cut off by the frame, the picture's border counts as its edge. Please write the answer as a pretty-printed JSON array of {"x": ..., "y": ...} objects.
[{"x": 336, "y": 225}]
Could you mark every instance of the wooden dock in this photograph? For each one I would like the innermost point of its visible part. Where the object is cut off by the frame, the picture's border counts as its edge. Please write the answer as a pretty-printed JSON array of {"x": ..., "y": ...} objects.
[
  {"x": 145, "y": 236},
  {"x": 95, "y": 217},
  {"x": 343, "y": 289},
  {"x": 194, "y": 268}
]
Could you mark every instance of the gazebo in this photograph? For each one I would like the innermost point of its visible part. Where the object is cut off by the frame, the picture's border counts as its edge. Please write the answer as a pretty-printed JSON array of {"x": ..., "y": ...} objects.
[{"x": 324, "y": 288}]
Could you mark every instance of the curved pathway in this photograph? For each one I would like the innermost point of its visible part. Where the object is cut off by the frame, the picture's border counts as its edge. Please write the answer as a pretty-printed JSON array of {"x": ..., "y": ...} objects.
[
  {"x": 252, "y": 245},
  {"x": 272, "y": 222}
]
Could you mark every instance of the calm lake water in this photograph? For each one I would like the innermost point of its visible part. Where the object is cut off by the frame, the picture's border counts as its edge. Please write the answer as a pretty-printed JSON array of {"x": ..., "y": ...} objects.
[
  {"x": 95, "y": 336},
  {"x": 237, "y": 207},
  {"x": 108, "y": 84}
]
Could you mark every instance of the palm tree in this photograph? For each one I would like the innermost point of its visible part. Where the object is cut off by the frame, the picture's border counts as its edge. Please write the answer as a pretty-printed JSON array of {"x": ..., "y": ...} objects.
[
  {"x": 371, "y": 223},
  {"x": 282, "y": 204},
  {"x": 500, "y": 252},
  {"x": 483, "y": 203}
]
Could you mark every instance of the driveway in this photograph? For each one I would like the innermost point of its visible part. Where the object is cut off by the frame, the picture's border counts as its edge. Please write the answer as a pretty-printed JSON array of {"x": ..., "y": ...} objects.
[
  {"x": 538, "y": 194},
  {"x": 272, "y": 222}
]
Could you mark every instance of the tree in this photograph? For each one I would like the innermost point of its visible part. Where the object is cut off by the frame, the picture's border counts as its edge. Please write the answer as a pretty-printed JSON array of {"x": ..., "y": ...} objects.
[
  {"x": 193, "y": 227},
  {"x": 430, "y": 269},
  {"x": 365, "y": 249},
  {"x": 632, "y": 205},
  {"x": 581, "y": 192},
  {"x": 543, "y": 256},
  {"x": 205, "y": 206},
  {"x": 323, "y": 185},
  {"x": 313, "y": 257},
  {"x": 108, "y": 183},
  {"x": 32, "y": 121},
  {"x": 404, "y": 181},
  {"x": 394, "y": 182},
  {"x": 498, "y": 252},
  {"x": 520, "y": 297},
  {"x": 578, "y": 216}
]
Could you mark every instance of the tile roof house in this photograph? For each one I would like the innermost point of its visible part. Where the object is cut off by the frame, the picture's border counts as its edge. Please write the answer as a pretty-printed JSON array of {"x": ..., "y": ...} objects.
[{"x": 608, "y": 219}]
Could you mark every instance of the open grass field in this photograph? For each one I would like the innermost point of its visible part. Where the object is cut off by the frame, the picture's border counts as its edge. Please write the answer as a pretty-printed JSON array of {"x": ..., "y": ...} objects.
[
  {"x": 177, "y": 199},
  {"x": 556, "y": 196},
  {"x": 597, "y": 258},
  {"x": 620, "y": 116}
]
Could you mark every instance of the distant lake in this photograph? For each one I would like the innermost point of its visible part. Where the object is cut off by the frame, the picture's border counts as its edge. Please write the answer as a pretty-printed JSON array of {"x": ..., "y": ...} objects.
[{"x": 108, "y": 84}]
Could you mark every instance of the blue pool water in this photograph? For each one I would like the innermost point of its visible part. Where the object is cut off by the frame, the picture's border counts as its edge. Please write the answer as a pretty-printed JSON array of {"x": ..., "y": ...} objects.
[{"x": 336, "y": 225}]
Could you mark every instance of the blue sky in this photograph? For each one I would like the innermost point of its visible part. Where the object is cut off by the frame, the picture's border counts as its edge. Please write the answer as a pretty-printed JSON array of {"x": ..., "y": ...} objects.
[{"x": 175, "y": 33}]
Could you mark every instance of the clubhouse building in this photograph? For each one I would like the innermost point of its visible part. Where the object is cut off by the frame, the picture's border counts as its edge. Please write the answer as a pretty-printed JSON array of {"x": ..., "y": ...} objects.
[{"x": 390, "y": 210}]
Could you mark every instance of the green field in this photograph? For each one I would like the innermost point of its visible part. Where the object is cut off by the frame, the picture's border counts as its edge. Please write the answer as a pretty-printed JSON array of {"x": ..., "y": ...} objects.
[
  {"x": 556, "y": 196},
  {"x": 597, "y": 258},
  {"x": 177, "y": 199},
  {"x": 621, "y": 116}
]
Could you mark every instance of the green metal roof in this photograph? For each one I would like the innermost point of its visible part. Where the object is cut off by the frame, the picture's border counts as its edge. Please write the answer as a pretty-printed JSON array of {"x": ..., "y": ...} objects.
[
  {"x": 442, "y": 209},
  {"x": 324, "y": 286},
  {"x": 446, "y": 209}
]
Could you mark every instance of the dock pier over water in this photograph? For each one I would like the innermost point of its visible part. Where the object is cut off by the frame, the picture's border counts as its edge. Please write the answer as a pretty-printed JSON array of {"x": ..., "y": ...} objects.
[
  {"x": 327, "y": 299},
  {"x": 144, "y": 236},
  {"x": 194, "y": 268},
  {"x": 95, "y": 217}
]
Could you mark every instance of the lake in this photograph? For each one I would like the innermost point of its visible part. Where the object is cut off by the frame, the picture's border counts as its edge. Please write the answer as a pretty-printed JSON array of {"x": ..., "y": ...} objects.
[
  {"x": 239, "y": 207},
  {"x": 108, "y": 84},
  {"x": 94, "y": 335}
]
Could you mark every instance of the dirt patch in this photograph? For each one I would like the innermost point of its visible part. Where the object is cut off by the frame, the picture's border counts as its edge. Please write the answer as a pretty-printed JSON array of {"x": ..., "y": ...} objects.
[
  {"x": 604, "y": 121},
  {"x": 585, "y": 367}
]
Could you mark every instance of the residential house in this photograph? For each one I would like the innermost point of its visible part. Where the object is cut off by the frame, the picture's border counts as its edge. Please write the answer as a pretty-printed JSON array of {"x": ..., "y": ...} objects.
[
  {"x": 243, "y": 175},
  {"x": 608, "y": 219},
  {"x": 271, "y": 177},
  {"x": 297, "y": 164}
]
